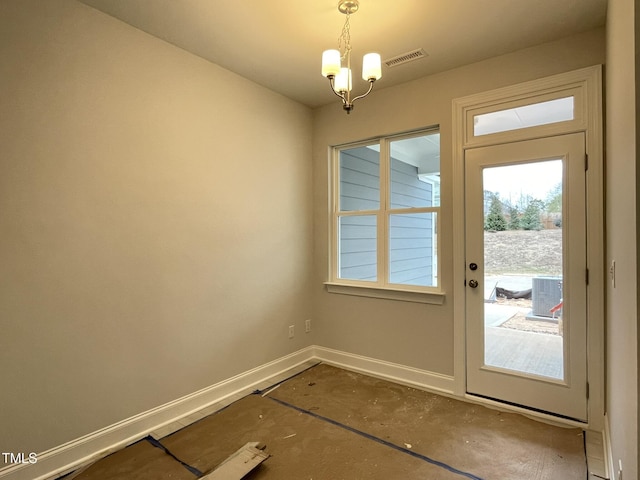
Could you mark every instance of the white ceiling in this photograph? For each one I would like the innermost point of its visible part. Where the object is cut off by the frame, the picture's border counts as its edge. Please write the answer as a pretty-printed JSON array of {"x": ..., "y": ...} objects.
[{"x": 279, "y": 43}]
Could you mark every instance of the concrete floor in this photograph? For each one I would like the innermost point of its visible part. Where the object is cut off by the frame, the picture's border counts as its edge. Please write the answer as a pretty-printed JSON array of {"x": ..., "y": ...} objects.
[{"x": 328, "y": 423}]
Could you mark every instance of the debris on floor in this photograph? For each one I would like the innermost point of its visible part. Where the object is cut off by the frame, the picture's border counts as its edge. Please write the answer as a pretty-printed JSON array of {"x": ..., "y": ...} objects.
[{"x": 239, "y": 464}]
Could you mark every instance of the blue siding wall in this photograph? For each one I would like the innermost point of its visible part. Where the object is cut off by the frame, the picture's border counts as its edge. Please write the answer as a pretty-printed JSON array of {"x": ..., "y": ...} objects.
[
  {"x": 359, "y": 179},
  {"x": 406, "y": 190},
  {"x": 358, "y": 248},
  {"x": 411, "y": 245},
  {"x": 359, "y": 190},
  {"x": 411, "y": 236}
]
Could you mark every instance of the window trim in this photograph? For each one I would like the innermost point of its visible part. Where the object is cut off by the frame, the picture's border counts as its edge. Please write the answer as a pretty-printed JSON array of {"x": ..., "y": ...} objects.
[
  {"x": 380, "y": 288},
  {"x": 389, "y": 293}
]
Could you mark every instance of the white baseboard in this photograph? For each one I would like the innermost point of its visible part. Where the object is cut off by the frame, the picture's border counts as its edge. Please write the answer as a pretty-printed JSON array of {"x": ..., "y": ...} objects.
[
  {"x": 66, "y": 458},
  {"x": 413, "y": 377}
]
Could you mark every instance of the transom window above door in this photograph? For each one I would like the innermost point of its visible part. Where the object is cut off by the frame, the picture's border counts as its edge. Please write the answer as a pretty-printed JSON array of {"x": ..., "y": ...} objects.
[
  {"x": 384, "y": 215},
  {"x": 525, "y": 116},
  {"x": 556, "y": 110}
]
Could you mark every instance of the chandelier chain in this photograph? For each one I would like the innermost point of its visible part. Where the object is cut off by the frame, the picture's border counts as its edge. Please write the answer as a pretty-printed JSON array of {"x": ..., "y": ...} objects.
[{"x": 344, "y": 40}]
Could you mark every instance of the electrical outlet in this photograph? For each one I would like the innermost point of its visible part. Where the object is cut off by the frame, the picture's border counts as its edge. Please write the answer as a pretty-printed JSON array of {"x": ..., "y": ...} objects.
[
  {"x": 291, "y": 331},
  {"x": 307, "y": 325}
]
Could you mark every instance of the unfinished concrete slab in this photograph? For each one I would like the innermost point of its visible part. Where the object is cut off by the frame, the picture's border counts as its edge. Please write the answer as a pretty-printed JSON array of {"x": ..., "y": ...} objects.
[
  {"x": 300, "y": 446},
  {"x": 328, "y": 423},
  {"x": 489, "y": 443}
]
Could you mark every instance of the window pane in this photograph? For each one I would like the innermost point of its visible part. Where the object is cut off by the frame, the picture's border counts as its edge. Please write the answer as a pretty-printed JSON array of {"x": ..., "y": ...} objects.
[
  {"x": 412, "y": 249},
  {"x": 358, "y": 248},
  {"x": 415, "y": 171},
  {"x": 360, "y": 178},
  {"x": 542, "y": 113}
]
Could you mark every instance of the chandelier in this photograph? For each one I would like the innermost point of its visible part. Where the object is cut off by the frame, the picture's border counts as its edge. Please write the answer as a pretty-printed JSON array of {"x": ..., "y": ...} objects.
[{"x": 336, "y": 64}]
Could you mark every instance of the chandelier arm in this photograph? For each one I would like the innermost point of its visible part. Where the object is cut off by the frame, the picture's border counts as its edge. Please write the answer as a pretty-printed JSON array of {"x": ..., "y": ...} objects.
[{"x": 366, "y": 93}]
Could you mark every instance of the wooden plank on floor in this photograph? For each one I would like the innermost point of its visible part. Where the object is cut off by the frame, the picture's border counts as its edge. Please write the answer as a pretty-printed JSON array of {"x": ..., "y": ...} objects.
[{"x": 238, "y": 464}]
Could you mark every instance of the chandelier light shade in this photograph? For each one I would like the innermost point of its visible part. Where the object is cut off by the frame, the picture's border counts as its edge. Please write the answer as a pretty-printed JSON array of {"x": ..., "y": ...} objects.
[
  {"x": 371, "y": 67},
  {"x": 342, "y": 82},
  {"x": 336, "y": 64},
  {"x": 330, "y": 62}
]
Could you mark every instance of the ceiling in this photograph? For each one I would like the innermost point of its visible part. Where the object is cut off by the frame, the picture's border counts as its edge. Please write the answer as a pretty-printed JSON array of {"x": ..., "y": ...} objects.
[{"x": 279, "y": 43}]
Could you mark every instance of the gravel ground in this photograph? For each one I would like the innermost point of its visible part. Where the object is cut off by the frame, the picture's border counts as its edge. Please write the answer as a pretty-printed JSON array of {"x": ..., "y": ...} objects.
[{"x": 519, "y": 321}]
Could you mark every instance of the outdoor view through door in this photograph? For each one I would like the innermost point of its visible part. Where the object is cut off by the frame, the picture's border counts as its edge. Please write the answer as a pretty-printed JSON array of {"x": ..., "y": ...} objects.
[{"x": 523, "y": 267}]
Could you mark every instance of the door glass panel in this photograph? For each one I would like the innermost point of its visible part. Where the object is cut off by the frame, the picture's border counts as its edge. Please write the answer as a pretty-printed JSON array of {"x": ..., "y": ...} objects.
[
  {"x": 523, "y": 266},
  {"x": 543, "y": 113}
]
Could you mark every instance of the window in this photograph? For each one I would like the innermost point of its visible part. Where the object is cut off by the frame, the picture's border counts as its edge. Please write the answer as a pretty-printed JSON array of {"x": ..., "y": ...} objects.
[
  {"x": 385, "y": 213},
  {"x": 525, "y": 116}
]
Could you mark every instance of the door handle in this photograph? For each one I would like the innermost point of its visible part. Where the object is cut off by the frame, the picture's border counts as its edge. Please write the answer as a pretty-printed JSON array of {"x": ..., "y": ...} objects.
[{"x": 473, "y": 283}]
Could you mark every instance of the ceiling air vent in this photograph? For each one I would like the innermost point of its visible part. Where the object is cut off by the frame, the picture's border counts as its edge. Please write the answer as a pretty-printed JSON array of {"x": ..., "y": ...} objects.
[{"x": 405, "y": 57}]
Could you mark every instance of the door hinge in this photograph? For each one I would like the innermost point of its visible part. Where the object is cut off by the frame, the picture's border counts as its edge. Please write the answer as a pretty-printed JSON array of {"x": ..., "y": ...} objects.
[
  {"x": 587, "y": 390},
  {"x": 586, "y": 276},
  {"x": 586, "y": 162}
]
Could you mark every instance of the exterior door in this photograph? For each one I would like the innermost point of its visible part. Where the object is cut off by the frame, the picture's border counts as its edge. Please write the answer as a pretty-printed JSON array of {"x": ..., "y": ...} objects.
[{"x": 526, "y": 276}]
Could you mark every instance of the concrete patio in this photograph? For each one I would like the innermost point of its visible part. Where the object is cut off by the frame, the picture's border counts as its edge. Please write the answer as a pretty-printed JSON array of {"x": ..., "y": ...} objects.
[{"x": 528, "y": 352}]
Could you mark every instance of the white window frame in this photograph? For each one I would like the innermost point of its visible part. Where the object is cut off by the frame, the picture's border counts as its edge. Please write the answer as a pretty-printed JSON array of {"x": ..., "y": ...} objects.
[{"x": 380, "y": 288}]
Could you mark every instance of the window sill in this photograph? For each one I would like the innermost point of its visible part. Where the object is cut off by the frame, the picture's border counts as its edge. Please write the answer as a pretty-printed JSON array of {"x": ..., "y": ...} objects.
[{"x": 416, "y": 296}]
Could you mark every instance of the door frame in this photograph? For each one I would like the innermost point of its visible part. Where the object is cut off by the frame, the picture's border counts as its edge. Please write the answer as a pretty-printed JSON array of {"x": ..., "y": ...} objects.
[{"x": 586, "y": 87}]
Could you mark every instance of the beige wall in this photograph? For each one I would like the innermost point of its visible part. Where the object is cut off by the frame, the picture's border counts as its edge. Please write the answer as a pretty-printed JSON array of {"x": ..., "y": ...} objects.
[
  {"x": 413, "y": 334},
  {"x": 154, "y": 217},
  {"x": 621, "y": 193}
]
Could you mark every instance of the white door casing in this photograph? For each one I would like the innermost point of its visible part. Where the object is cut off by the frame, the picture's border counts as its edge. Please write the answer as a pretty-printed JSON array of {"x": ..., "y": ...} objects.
[{"x": 586, "y": 87}]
